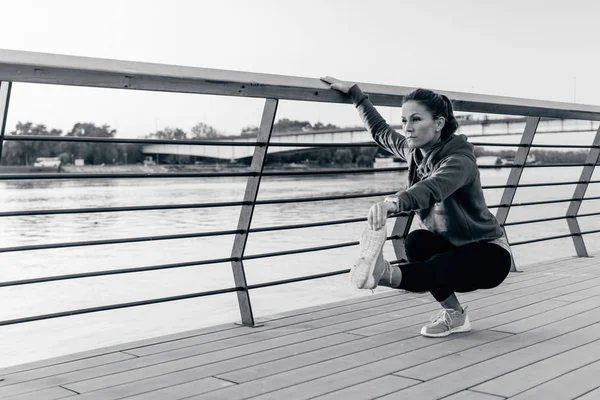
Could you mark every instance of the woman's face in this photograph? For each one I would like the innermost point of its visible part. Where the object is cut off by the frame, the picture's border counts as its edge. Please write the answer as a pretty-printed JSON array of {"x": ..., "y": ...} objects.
[{"x": 422, "y": 131}]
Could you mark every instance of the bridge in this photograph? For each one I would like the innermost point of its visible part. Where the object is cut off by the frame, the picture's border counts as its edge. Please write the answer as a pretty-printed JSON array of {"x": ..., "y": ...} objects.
[{"x": 480, "y": 128}]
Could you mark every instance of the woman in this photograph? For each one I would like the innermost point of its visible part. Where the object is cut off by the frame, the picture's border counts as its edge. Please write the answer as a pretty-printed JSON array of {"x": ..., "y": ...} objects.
[{"x": 462, "y": 248}]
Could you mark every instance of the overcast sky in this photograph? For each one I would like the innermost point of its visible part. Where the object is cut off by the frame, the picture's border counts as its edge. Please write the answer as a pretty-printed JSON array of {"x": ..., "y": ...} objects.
[{"x": 534, "y": 49}]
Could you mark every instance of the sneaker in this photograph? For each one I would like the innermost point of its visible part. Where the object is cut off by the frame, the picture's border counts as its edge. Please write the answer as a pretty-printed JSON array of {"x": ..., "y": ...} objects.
[
  {"x": 447, "y": 321},
  {"x": 370, "y": 266}
]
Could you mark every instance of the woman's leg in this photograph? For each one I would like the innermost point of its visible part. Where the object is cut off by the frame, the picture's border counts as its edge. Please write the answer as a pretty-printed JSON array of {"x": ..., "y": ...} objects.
[
  {"x": 462, "y": 269},
  {"x": 420, "y": 245}
]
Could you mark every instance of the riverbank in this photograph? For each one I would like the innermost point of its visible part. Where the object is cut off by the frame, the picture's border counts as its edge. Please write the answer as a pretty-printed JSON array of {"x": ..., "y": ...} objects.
[{"x": 174, "y": 168}]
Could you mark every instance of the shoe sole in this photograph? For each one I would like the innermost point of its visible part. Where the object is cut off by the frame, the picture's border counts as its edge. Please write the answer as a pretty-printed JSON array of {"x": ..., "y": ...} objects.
[
  {"x": 466, "y": 327},
  {"x": 371, "y": 244}
]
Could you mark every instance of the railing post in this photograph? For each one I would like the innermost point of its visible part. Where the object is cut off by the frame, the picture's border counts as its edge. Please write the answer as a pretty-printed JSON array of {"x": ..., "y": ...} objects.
[
  {"x": 515, "y": 175},
  {"x": 4, "y": 100},
  {"x": 401, "y": 229},
  {"x": 580, "y": 189},
  {"x": 239, "y": 243}
]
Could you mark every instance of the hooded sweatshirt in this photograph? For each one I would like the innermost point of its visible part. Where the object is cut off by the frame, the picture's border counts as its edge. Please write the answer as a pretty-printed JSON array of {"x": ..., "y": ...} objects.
[{"x": 444, "y": 187}]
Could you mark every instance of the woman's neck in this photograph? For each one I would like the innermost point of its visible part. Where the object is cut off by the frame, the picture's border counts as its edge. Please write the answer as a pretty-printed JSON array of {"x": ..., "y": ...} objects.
[{"x": 427, "y": 148}]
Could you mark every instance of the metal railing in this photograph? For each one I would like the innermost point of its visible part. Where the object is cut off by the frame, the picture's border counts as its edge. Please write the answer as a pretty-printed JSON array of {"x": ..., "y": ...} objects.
[{"x": 16, "y": 66}]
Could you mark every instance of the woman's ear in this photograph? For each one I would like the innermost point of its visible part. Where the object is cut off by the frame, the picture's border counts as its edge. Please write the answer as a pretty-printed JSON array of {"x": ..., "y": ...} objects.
[{"x": 439, "y": 123}]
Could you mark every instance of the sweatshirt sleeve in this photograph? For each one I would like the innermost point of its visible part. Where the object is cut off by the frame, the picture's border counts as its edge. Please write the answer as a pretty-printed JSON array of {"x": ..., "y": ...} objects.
[
  {"x": 454, "y": 172},
  {"x": 382, "y": 133}
]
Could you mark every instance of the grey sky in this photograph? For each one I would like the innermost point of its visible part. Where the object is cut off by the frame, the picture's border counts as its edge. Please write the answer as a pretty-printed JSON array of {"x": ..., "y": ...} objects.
[{"x": 536, "y": 49}]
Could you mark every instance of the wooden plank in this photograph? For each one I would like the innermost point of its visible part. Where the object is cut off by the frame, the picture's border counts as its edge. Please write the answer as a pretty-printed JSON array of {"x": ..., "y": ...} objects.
[
  {"x": 339, "y": 373},
  {"x": 21, "y": 66},
  {"x": 471, "y": 395},
  {"x": 483, "y": 299},
  {"x": 46, "y": 394},
  {"x": 568, "y": 386},
  {"x": 581, "y": 295},
  {"x": 549, "y": 317},
  {"x": 207, "y": 370},
  {"x": 184, "y": 354},
  {"x": 96, "y": 383},
  {"x": 337, "y": 382},
  {"x": 143, "y": 388},
  {"x": 536, "y": 374},
  {"x": 450, "y": 345},
  {"x": 111, "y": 349},
  {"x": 159, "y": 370},
  {"x": 501, "y": 357},
  {"x": 592, "y": 395},
  {"x": 446, "y": 365},
  {"x": 244, "y": 374},
  {"x": 11, "y": 379},
  {"x": 327, "y": 316},
  {"x": 318, "y": 366},
  {"x": 183, "y": 390},
  {"x": 370, "y": 390}
]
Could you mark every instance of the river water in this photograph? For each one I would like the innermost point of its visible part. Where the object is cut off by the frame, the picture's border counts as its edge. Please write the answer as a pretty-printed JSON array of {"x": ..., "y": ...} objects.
[{"x": 32, "y": 341}]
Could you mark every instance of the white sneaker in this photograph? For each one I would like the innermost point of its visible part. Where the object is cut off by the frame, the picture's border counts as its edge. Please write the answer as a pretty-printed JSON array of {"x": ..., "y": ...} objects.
[
  {"x": 370, "y": 266},
  {"x": 447, "y": 321}
]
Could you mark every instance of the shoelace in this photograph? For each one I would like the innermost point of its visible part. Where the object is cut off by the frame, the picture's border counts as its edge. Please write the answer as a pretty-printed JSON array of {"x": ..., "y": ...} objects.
[{"x": 444, "y": 317}]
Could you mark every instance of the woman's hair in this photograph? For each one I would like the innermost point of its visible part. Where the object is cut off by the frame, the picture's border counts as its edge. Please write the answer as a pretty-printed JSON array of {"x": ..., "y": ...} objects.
[{"x": 438, "y": 105}]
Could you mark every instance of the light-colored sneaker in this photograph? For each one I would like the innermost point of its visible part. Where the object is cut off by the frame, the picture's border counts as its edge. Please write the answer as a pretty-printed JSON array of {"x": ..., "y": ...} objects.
[
  {"x": 447, "y": 321},
  {"x": 370, "y": 266}
]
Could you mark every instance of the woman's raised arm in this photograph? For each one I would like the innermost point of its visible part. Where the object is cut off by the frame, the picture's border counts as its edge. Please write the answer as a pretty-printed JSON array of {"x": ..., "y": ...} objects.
[{"x": 386, "y": 137}]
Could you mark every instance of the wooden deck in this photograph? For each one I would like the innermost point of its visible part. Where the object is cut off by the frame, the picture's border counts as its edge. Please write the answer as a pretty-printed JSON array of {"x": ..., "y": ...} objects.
[{"x": 537, "y": 336}]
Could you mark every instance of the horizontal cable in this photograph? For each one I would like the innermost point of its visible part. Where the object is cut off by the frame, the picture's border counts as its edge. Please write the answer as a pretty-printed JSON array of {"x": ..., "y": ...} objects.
[
  {"x": 118, "y": 306},
  {"x": 534, "y": 203},
  {"x": 586, "y": 215},
  {"x": 554, "y": 237},
  {"x": 533, "y": 221},
  {"x": 88, "y": 139},
  {"x": 118, "y": 241},
  {"x": 306, "y": 250},
  {"x": 117, "y": 271},
  {"x": 554, "y": 183},
  {"x": 555, "y": 146},
  {"x": 306, "y": 225},
  {"x": 132, "y": 175},
  {"x": 193, "y": 205},
  {"x": 540, "y": 240},
  {"x": 226, "y": 141},
  {"x": 523, "y": 185},
  {"x": 299, "y": 279},
  {"x": 188, "y": 142},
  {"x": 552, "y": 165},
  {"x": 318, "y": 224},
  {"x": 305, "y": 278}
]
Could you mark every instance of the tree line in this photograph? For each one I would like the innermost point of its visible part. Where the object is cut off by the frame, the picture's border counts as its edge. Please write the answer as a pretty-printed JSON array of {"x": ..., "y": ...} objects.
[{"x": 25, "y": 152}]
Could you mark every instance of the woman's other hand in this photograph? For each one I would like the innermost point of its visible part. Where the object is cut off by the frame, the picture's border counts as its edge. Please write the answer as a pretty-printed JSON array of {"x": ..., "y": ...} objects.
[
  {"x": 336, "y": 84},
  {"x": 378, "y": 214}
]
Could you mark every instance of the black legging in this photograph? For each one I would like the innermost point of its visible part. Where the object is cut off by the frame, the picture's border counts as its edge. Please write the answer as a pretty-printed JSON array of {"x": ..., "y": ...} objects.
[{"x": 441, "y": 268}]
